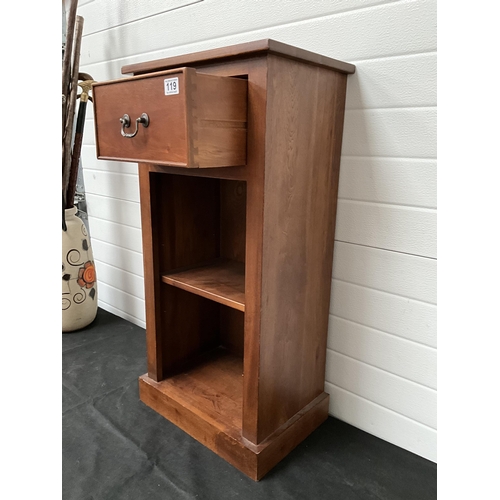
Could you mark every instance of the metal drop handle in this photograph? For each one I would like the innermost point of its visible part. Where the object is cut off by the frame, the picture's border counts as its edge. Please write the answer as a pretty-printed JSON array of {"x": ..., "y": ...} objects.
[{"x": 125, "y": 121}]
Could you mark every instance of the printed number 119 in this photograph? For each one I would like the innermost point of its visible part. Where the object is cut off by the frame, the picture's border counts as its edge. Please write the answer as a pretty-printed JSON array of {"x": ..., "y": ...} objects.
[{"x": 171, "y": 86}]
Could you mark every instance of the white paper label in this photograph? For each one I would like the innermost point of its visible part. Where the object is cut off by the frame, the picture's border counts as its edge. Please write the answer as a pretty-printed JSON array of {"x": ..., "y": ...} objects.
[{"x": 171, "y": 85}]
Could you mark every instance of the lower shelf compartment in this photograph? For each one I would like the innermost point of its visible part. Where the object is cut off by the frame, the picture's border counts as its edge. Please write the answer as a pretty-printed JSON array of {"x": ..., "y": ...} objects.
[
  {"x": 206, "y": 403},
  {"x": 212, "y": 388}
]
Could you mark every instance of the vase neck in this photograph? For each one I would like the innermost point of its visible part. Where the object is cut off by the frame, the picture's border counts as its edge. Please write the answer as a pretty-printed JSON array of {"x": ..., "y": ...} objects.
[{"x": 70, "y": 211}]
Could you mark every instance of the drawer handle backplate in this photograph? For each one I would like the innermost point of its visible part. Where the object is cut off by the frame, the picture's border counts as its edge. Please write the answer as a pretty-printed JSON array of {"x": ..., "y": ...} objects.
[{"x": 125, "y": 121}]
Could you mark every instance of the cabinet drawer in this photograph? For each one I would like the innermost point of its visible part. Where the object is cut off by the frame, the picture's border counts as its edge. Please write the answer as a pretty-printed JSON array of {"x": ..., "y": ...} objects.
[{"x": 193, "y": 120}]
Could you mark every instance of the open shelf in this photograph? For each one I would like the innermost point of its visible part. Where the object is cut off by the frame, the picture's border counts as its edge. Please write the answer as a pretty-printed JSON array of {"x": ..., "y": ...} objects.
[
  {"x": 212, "y": 387},
  {"x": 222, "y": 281},
  {"x": 200, "y": 230}
]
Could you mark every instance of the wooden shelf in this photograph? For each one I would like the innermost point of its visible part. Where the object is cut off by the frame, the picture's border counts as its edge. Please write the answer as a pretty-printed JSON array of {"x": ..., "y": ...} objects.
[
  {"x": 222, "y": 281},
  {"x": 212, "y": 388}
]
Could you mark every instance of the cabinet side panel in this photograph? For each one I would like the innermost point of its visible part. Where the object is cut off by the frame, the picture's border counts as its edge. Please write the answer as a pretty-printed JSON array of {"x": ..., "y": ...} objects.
[
  {"x": 257, "y": 95},
  {"x": 220, "y": 126},
  {"x": 303, "y": 140},
  {"x": 151, "y": 274}
]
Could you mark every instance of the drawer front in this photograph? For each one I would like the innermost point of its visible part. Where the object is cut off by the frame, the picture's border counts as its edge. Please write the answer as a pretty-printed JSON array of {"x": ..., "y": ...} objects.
[
  {"x": 164, "y": 140},
  {"x": 191, "y": 120}
]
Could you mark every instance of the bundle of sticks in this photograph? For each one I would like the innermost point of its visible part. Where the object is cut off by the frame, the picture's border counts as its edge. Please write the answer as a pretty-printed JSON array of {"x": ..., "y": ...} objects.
[{"x": 71, "y": 80}]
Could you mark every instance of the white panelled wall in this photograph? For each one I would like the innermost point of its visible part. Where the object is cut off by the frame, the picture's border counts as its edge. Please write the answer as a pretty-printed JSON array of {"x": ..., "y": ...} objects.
[{"x": 381, "y": 358}]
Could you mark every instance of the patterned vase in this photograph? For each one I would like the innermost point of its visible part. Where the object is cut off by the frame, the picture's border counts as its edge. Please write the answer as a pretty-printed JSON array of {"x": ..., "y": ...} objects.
[{"x": 79, "y": 287}]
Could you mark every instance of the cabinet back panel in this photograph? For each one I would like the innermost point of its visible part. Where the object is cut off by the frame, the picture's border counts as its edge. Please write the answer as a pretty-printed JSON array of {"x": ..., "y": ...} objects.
[
  {"x": 188, "y": 212},
  {"x": 193, "y": 326},
  {"x": 233, "y": 197},
  {"x": 232, "y": 323},
  {"x": 190, "y": 327}
]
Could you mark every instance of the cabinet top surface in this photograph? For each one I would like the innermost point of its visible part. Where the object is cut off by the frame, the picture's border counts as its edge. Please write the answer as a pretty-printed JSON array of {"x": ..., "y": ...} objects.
[{"x": 243, "y": 50}]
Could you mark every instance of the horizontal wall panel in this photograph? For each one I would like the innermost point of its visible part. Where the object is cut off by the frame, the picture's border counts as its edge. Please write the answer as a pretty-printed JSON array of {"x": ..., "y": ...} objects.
[
  {"x": 406, "y": 132},
  {"x": 402, "y": 357},
  {"x": 90, "y": 161},
  {"x": 122, "y": 301},
  {"x": 406, "y": 318},
  {"x": 116, "y": 234},
  {"x": 122, "y": 314},
  {"x": 120, "y": 279},
  {"x": 401, "y": 274},
  {"x": 383, "y": 423},
  {"x": 112, "y": 14},
  {"x": 398, "y": 81},
  {"x": 118, "y": 257},
  {"x": 401, "y": 229},
  {"x": 390, "y": 391},
  {"x": 112, "y": 184},
  {"x": 114, "y": 210},
  {"x": 350, "y": 36},
  {"x": 398, "y": 181}
]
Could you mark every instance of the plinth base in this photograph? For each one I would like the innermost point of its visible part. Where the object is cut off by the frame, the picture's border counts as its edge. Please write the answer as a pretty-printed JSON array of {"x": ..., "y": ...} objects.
[{"x": 213, "y": 417}]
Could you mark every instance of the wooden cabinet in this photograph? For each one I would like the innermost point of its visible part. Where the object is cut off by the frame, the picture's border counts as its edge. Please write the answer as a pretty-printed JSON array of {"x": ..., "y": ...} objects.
[{"x": 237, "y": 257}]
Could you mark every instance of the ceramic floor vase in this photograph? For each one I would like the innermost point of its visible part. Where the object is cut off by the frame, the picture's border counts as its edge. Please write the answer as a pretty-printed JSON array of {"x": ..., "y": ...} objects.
[{"x": 79, "y": 287}]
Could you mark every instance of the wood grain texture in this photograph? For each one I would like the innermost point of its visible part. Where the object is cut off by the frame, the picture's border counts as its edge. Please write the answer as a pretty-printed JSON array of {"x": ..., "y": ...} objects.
[
  {"x": 241, "y": 258},
  {"x": 212, "y": 385},
  {"x": 254, "y": 69},
  {"x": 219, "y": 121},
  {"x": 188, "y": 218},
  {"x": 394, "y": 46},
  {"x": 166, "y": 137},
  {"x": 258, "y": 47},
  {"x": 232, "y": 331},
  {"x": 222, "y": 281},
  {"x": 202, "y": 125},
  {"x": 196, "y": 220},
  {"x": 151, "y": 275},
  {"x": 233, "y": 206},
  {"x": 212, "y": 417},
  {"x": 303, "y": 141},
  {"x": 186, "y": 214},
  {"x": 189, "y": 327}
]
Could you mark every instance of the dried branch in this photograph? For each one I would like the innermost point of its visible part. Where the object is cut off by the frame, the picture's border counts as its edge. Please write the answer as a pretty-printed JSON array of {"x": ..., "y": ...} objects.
[
  {"x": 66, "y": 66},
  {"x": 68, "y": 130}
]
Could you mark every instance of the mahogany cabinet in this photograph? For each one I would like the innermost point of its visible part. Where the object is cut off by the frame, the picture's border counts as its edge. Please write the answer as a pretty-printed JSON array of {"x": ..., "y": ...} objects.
[{"x": 238, "y": 151}]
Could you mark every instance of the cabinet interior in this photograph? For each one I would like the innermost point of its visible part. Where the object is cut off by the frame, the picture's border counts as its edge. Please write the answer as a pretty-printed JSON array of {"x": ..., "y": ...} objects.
[{"x": 199, "y": 226}]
